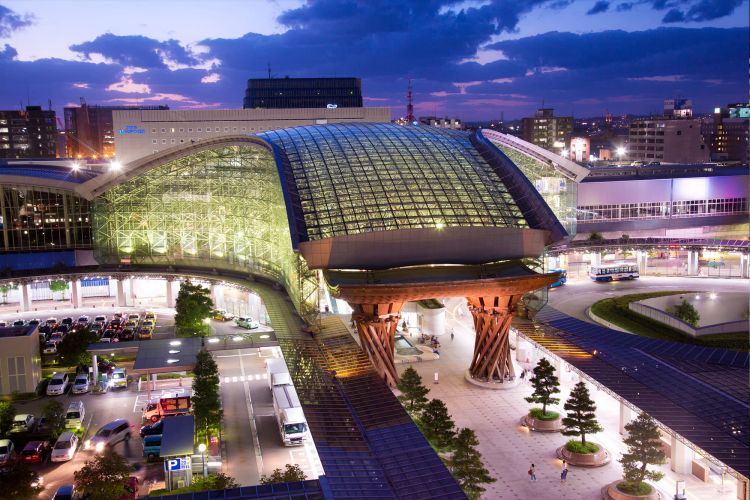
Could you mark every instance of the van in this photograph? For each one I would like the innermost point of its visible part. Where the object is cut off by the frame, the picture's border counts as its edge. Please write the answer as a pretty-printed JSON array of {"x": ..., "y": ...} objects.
[
  {"x": 75, "y": 415},
  {"x": 109, "y": 435},
  {"x": 152, "y": 446},
  {"x": 119, "y": 378}
]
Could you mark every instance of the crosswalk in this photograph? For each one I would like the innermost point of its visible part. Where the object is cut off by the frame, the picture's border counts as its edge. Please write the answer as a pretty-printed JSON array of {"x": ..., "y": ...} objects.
[{"x": 244, "y": 378}]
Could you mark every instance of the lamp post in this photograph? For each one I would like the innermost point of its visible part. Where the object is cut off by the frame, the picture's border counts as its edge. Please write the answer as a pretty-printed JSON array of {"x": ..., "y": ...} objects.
[{"x": 202, "y": 449}]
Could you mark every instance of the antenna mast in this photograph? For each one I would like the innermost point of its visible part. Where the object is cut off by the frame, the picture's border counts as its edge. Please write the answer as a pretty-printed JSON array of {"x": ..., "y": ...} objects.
[{"x": 409, "y": 105}]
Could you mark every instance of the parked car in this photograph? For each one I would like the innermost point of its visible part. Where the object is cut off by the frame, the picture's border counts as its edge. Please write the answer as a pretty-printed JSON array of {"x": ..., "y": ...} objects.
[
  {"x": 66, "y": 492},
  {"x": 109, "y": 435},
  {"x": 152, "y": 446},
  {"x": 97, "y": 327},
  {"x": 222, "y": 315},
  {"x": 50, "y": 347},
  {"x": 247, "y": 322},
  {"x": 109, "y": 335},
  {"x": 7, "y": 452},
  {"x": 115, "y": 324},
  {"x": 119, "y": 378},
  {"x": 126, "y": 334},
  {"x": 3, "y": 323},
  {"x": 147, "y": 323},
  {"x": 65, "y": 447},
  {"x": 75, "y": 415},
  {"x": 100, "y": 319},
  {"x": 58, "y": 384},
  {"x": 56, "y": 337},
  {"x": 51, "y": 322},
  {"x": 62, "y": 329},
  {"x": 67, "y": 321},
  {"x": 45, "y": 330},
  {"x": 42, "y": 425},
  {"x": 34, "y": 322},
  {"x": 81, "y": 384},
  {"x": 19, "y": 322},
  {"x": 131, "y": 324},
  {"x": 83, "y": 320},
  {"x": 23, "y": 422},
  {"x": 134, "y": 317},
  {"x": 36, "y": 452},
  {"x": 144, "y": 334},
  {"x": 150, "y": 316},
  {"x": 132, "y": 487},
  {"x": 152, "y": 429}
]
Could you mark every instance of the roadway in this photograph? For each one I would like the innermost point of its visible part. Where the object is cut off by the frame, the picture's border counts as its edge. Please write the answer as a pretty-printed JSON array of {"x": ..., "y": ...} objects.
[{"x": 577, "y": 295}]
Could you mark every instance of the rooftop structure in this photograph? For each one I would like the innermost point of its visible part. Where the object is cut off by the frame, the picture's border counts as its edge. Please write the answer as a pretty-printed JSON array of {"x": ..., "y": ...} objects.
[{"x": 279, "y": 93}]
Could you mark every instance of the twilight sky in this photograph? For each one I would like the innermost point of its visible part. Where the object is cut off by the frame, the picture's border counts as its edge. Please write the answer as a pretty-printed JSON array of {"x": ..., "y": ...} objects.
[{"x": 471, "y": 59}]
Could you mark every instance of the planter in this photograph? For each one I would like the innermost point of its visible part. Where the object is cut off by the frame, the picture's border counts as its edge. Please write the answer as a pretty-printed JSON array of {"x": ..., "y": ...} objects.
[
  {"x": 537, "y": 425},
  {"x": 610, "y": 492},
  {"x": 601, "y": 457}
]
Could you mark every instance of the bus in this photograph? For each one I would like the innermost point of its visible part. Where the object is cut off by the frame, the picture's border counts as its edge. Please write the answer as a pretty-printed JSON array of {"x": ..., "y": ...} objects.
[
  {"x": 561, "y": 280},
  {"x": 614, "y": 272}
]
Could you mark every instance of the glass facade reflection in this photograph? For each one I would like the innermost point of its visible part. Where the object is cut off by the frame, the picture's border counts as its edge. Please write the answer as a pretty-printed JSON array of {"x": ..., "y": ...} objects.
[
  {"x": 363, "y": 177},
  {"x": 43, "y": 219}
]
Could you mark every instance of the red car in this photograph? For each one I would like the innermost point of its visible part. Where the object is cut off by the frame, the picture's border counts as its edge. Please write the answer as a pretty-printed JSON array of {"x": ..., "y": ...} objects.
[
  {"x": 131, "y": 489},
  {"x": 36, "y": 452}
]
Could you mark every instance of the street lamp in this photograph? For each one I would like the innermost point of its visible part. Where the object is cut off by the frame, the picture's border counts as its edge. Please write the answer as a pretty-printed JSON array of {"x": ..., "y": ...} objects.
[
  {"x": 202, "y": 449},
  {"x": 620, "y": 152}
]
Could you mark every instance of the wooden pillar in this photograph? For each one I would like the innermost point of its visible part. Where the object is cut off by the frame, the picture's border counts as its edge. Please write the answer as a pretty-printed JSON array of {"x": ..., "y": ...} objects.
[
  {"x": 492, "y": 317},
  {"x": 376, "y": 325}
]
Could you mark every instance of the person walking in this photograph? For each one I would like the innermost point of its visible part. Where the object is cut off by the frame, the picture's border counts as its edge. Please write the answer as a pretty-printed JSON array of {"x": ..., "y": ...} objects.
[
  {"x": 452, "y": 334},
  {"x": 564, "y": 475},
  {"x": 532, "y": 472}
]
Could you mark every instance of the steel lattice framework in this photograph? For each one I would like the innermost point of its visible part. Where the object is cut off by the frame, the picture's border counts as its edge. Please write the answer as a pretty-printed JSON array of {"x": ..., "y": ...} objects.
[{"x": 222, "y": 207}]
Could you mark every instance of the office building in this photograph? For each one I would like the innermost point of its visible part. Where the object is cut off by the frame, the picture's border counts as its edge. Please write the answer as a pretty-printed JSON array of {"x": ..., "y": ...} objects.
[
  {"x": 434, "y": 121},
  {"x": 90, "y": 132},
  {"x": 284, "y": 93},
  {"x": 678, "y": 108},
  {"x": 580, "y": 149},
  {"x": 28, "y": 133},
  {"x": 546, "y": 130},
  {"x": 145, "y": 132},
  {"x": 667, "y": 141},
  {"x": 726, "y": 133},
  {"x": 20, "y": 361}
]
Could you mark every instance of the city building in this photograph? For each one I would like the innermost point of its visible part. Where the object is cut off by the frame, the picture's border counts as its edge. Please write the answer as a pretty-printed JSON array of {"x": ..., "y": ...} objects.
[
  {"x": 90, "y": 130},
  {"x": 678, "y": 108},
  {"x": 546, "y": 130},
  {"x": 666, "y": 141},
  {"x": 28, "y": 133},
  {"x": 580, "y": 149},
  {"x": 434, "y": 121},
  {"x": 20, "y": 361},
  {"x": 284, "y": 93},
  {"x": 146, "y": 132},
  {"x": 726, "y": 133}
]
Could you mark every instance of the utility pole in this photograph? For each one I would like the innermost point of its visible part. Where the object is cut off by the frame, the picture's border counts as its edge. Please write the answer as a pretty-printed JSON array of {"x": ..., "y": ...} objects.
[{"x": 409, "y": 105}]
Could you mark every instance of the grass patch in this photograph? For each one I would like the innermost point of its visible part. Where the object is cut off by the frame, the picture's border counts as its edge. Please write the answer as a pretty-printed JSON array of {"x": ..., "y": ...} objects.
[
  {"x": 122, "y": 358},
  {"x": 537, "y": 414},
  {"x": 576, "y": 446},
  {"x": 633, "y": 489},
  {"x": 18, "y": 396},
  {"x": 615, "y": 310},
  {"x": 167, "y": 376}
]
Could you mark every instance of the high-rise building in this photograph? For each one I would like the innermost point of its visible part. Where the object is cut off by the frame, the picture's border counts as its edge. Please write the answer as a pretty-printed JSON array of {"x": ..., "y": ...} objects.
[
  {"x": 90, "y": 131},
  {"x": 580, "y": 149},
  {"x": 678, "y": 108},
  {"x": 547, "y": 130},
  {"x": 726, "y": 133},
  {"x": 276, "y": 93},
  {"x": 28, "y": 133},
  {"x": 667, "y": 140}
]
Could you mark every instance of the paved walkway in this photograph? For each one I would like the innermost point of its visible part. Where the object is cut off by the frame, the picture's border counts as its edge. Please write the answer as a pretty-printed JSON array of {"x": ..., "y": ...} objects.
[{"x": 508, "y": 448}]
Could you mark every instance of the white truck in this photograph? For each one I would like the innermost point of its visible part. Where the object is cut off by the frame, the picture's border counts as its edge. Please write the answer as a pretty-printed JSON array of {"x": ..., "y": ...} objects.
[{"x": 286, "y": 405}]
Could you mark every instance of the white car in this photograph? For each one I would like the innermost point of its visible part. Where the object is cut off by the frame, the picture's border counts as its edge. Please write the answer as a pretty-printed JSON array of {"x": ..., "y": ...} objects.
[
  {"x": 58, "y": 384},
  {"x": 65, "y": 447},
  {"x": 247, "y": 322},
  {"x": 50, "y": 348},
  {"x": 81, "y": 384},
  {"x": 7, "y": 451},
  {"x": 22, "y": 423}
]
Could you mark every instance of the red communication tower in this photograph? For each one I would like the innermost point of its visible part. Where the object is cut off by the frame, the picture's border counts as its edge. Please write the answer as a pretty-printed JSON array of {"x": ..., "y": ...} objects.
[{"x": 409, "y": 106}]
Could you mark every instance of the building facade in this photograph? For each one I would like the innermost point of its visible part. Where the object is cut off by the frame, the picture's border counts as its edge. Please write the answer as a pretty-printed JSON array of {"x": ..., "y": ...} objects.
[
  {"x": 678, "y": 108},
  {"x": 548, "y": 131},
  {"x": 434, "y": 121},
  {"x": 580, "y": 149},
  {"x": 146, "y": 132},
  {"x": 90, "y": 130},
  {"x": 285, "y": 93},
  {"x": 20, "y": 360},
  {"x": 29, "y": 133},
  {"x": 726, "y": 133},
  {"x": 667, "y": 141}
]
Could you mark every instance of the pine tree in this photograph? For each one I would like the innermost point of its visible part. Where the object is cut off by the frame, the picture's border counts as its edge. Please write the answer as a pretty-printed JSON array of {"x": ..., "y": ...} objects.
[
  {"x": 437, "y": 424},
  {"x": 413, "y": 392},
  {"x": 581, "y": 417},
  {"x": 206, "y": 398},
  {"x": 545, "y": 384},
  {"x": 466, "y": 464},
  {"x": 644, "y": 448}
]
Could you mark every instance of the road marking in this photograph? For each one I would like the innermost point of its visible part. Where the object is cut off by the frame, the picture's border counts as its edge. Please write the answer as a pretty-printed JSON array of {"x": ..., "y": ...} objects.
[{"x": 253, "y": 426}]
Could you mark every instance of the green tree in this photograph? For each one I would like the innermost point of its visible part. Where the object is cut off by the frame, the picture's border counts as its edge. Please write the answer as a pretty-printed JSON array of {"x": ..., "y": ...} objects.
[
  {"x": 596, "y": 236},
  {"x": 466, "y": 464},
  {"x": 687, "y": 313},
  {"x": 193, "y": 306},
  {"x": 72, "y": 349},
  {"x": 58, "y": 286},
  {"x": 19, "y": 482},
  {"x": 413, "y": 392},
  {"x": 7, "y": 414},
  {"x": 291, "y": 473},
  {"x": 437, "y": 424},
  {"x": 545, "y": 384},
  {"x": 206, "y": 398},
  {"x": 54, "y": 412},
  {"x": 644, "y": 448},
  {"x": 103, "y": 477},
  {"x": 581, "y": 417},
  {"x": 5, "y": 289}
]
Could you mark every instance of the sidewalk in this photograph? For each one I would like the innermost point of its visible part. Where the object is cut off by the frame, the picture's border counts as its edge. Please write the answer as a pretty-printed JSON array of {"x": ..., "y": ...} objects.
[{"x": 508, "y": 448}]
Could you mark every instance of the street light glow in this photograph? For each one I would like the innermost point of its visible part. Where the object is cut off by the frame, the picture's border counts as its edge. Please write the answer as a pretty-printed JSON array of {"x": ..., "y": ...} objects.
[
  {"x": 621, "y": 151},
  {"x": 115, "y": 166},
  {"x": 202, "y": 447}
]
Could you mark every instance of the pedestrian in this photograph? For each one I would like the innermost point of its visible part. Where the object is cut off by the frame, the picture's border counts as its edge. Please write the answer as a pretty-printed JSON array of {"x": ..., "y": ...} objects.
[
  {"x": 564, "y": 475},
  {"x": 452, "y": 334},
  {"x": 532, "y": 472},
  {"x": 523, "y": 374}
]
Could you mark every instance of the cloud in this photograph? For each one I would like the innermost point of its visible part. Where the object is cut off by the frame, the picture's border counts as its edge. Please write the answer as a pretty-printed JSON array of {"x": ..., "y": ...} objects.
[
  {"x": 599, "y": 7},
  {"x": 81, "y": 85},
  {"x": 139, "y": 51},
  {"x": 127, "y": 86},
  {"x": 8, "y": 53},
  {"x": 704, "y": 10},
  {"x": 10, "y": 21},
  {"x": 211, "y": 78}
]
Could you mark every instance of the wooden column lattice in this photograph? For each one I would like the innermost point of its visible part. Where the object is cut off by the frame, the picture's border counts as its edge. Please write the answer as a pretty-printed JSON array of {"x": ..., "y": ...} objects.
[
  {"x": 492, "y": 360},
  {"x": 377, "y": 335}
]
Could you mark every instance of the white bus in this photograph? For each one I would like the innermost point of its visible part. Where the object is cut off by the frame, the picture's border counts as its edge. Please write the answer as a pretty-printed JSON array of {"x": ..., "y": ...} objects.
[{"x": 614, "y": 272}]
